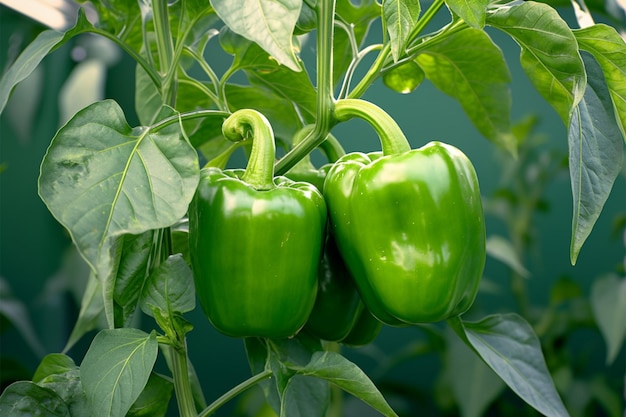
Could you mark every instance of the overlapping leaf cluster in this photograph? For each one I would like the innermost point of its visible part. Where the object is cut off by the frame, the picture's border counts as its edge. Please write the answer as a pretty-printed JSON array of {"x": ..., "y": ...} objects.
[{"x": 119, "y": 190}]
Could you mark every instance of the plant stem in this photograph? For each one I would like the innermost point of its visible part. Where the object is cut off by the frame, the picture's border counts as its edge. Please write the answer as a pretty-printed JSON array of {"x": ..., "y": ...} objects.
[
  {"x": 372, "y": 73},
  {"x": 325, "y": 99},
  {"x": 233, "y": 392},
  {"x": 165, "y": 48},
  {"x": 149, "y": 69},
  {"x": 182, "y": 387},
  {"x": 375, "y": 70},
  {"x": 425, "y": 20},
  {"x": 187, "y": 116}
]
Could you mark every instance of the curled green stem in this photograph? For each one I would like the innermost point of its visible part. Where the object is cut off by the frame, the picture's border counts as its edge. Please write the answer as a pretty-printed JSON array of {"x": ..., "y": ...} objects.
[
  {"x": 392, "y": 138},
  {"x": 248, "y": 124}
]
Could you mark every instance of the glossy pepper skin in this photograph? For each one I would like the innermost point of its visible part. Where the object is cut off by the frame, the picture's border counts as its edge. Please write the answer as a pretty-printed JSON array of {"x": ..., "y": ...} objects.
[
  {"x": 410, "y": 226},
  {"x": 364, "y": 331},
  {"x": 255, "y": 249},
  {"x": 338, "y": 304}
]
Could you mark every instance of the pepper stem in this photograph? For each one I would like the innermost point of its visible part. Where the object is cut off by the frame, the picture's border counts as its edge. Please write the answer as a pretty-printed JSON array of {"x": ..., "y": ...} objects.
[
  {"x": 392, "y": 140},
  {"x": 248, "y": 124}
]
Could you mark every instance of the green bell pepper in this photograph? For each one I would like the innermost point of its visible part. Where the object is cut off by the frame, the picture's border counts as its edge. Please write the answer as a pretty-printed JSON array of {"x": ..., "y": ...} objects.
[
  {"x": 409, "y": 223},
  {"x": 338, "y": 306},
  {"x": 364, "y": 331},
  {"x": 255, "y": 240}
]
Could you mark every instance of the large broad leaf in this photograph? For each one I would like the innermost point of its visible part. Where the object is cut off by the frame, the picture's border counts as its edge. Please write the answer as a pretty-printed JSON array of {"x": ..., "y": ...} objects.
[
  {"x": 59, "y": 373},
  {"x": 305, "y": 397},
  {"x": 473, "y": 12},
  {"x": 400, "y": 17},
  {"x": 46, "y": 42},
  {"x": 294, "y": 88},
  {"x": 154, "y": 399},
  {"x": 549, "y": 53},
  {"x": 608, "y": 303},
  {"x": 26, "y": 399},
  {"x": 474, "y": 385},
  {"x": 510, "y": 347},
  {"x": 477, "y": 77},
  {"x": 596, "y": 152},
  {"x": 609, "y": 49},
  {"x": 102, "y": 179},
  {"x": 116, "y": 369},
  {"x": 335, "y": 368},
  {"x": 269, "y": 23}
]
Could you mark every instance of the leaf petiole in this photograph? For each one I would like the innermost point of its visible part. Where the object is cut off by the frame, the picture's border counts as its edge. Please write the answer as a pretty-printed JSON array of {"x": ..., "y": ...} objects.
[{"x": 233, "y": 392}]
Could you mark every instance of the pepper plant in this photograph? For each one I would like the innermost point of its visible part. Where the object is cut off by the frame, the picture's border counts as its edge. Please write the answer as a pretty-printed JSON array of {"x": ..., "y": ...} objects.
[{"x": 159, "y": 221}]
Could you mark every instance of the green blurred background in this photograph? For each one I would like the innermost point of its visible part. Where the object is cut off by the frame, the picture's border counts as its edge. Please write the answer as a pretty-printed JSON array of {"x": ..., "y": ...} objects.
[{"x": 42, "y": 278}]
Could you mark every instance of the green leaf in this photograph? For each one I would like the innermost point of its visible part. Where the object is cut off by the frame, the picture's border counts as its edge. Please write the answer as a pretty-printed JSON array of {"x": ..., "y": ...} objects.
[
  {"x": 258, "y": 356},
  {"x": 549, "y": 53},
  {"x": 131, "y": 273},
  {"x": 400, "y": 17},
  {"x": 16, "y": 312},
  {"x": 45, "y": 43},
  {"x": 268, "y": 23},
  {"x": 121, "y": 18},
  {"x": 282, "y": 357},
  {"x": 169, "y": 288},
  {"x": 25, "y": 399},
  {"x": 101, "y": 179},
  {"x": 294, "y": 89},
  {"x": 502, "y": 250},
  {"x": 116, "y": 369},
  {"x": 508, "y": 344},
  {"x": 596, "y": 153},
  {"x": 305, "y": 397},
  {"x": 148, "y": 100},
  {"x": 59, "y": 373},
  {"x": 405, "y": 78},
  {"x": 358, "y": 18},
  {"x": 154, "y": 399},
  {"x": 473, "y": 12},
  {"x": 477, "y": 78},
  {"x": 335, "y": 368},
  {"x": 608, "y": 303},
  {"x": 91, "y": 311},
  {"x": 609, "y": 49},
  {"x": 473, "y": 383}
]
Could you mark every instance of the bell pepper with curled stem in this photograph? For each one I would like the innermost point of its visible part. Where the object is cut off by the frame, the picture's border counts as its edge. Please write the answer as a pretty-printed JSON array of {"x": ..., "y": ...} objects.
[
  {"x": 255, "y": 240},
  {"x": 409, "y": 223}
]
